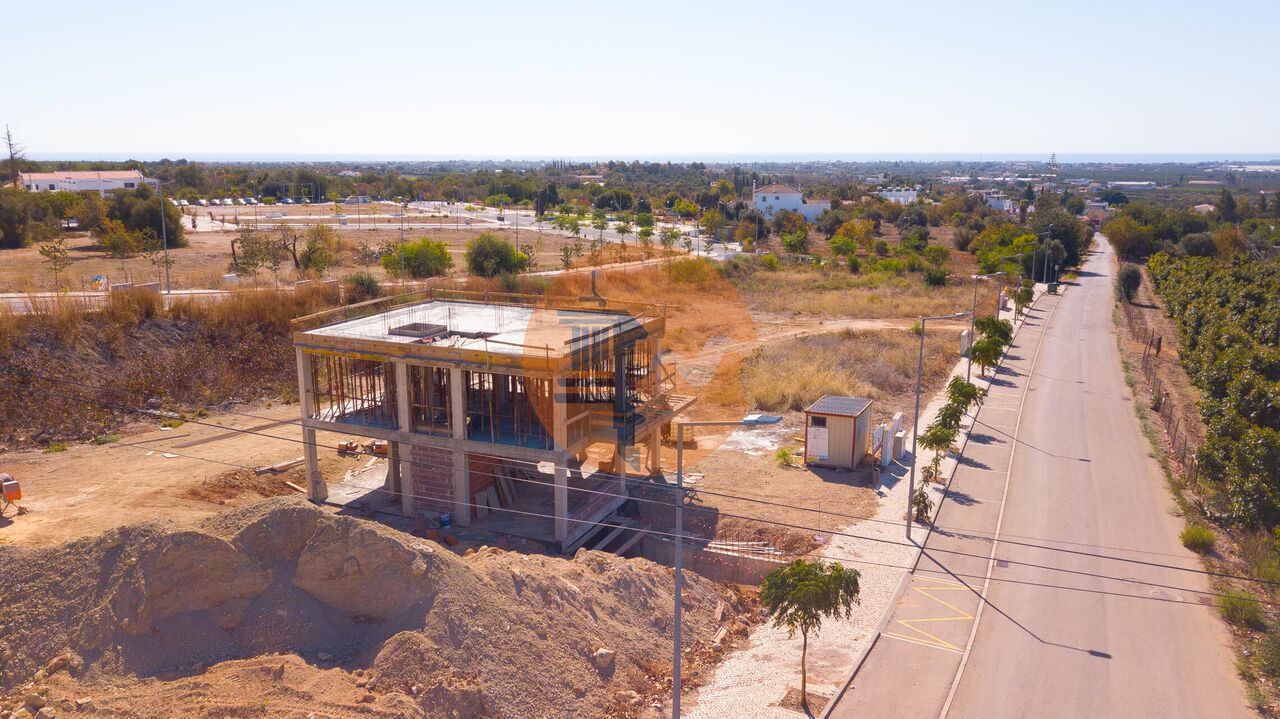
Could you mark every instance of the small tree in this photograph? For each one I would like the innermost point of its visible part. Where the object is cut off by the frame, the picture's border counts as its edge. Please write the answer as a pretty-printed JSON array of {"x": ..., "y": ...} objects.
[
  {"x": 423, "y": 258},
  {"x": 798, "y": 597},
  {"x": 668, "y": 237},
  {"x": 986, "y": 353},
  {"x": 623, "y": 229},
  {"x": 993, "y": 328},
  {"x": 56, "y": 258},
  {"x": 488, "y": 255},
  {"x": 1128, "y": 281},
  {"x": 566, "y": 256},
  {"x": 645, "y": 234}
]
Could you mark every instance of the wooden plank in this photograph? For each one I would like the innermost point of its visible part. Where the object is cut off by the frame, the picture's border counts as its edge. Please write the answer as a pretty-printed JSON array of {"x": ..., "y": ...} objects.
[
  {"x": 636, "y": 536},
  {"x": 279, "y": 466}
]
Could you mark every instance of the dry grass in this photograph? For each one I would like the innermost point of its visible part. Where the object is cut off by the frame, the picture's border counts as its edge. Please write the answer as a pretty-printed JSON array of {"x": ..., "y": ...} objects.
[
  {"x": 74, "y": 374},
  {"x": 830, "y": 292},
  {"x": 877, "y": 365}
]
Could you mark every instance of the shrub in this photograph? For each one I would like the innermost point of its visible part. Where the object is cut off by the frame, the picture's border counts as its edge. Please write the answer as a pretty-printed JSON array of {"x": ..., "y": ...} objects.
[
  {"x": 936, "y": 254},
  {"x": 771, "y": 262},
  {"x": 691, "y": 271},
  {"x": 785, "y": 457},
  {"x": 854, "y": 265},
  {"x": 171, "y": 423},
  {"x": 105, "y": 439},
  {"x": 1197, "y": 539},
  {"x": 936, "y": 276},
  {"x": 488, "y": 255},
  {"x": 891, "y": 266},
  {"x": 1269, "y": 655},
  {"x": 797, "y": 243},
  {"x": 1240, "y": 608},
  {"x": 881, "y": 248},
  {"x": 361, "y": 286},
  {"x": 424, "y": 258},
  {"x": 1128, "y": 281},
  {"x": 56, "y": 447},
  {"x": 922, "y": 504},
  {"x": 130, "y": 307}
]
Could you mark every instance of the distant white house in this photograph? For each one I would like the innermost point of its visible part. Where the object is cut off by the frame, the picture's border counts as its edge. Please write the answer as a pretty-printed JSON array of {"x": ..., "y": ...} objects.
[
  {"x": 1205, "y": 208},
  {"x": 900, "y": 195},
  {"x": 772, "y": 199},
  {"x": 100, "y": 181},
  {"x": 998, "y": 202}
]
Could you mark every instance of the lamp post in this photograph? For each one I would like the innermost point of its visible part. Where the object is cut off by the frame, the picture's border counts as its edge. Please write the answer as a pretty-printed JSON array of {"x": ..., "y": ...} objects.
[
  {"x": 679, "y": 562},
  {"x": 973, "y": 316},
  {"x": 164, "y": 239},
  {"x": 915, "y": 434}
]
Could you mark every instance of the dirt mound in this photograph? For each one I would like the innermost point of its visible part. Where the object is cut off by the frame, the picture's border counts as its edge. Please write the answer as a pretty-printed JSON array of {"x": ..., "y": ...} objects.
[
  {"x": 152, "y": 620},
  {"x": 237, "y": 482}
]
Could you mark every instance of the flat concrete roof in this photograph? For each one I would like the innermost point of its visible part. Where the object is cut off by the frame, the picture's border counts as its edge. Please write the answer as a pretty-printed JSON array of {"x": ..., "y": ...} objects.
[{"x": 507, "y": 329}]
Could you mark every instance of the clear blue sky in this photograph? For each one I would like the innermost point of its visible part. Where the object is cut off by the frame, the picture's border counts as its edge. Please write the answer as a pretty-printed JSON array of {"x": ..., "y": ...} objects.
[{"x": 647, "y": 79}]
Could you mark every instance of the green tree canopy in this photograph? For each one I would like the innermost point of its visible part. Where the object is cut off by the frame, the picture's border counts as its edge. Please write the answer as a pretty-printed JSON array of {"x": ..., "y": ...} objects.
[
  {"x": 488, "y": 255},
  {"x": 423, "y": 258},
  {"x": 799, "y": 595}
]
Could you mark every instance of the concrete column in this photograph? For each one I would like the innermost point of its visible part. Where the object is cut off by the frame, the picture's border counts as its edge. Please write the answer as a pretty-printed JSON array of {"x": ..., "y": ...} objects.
[
  {"x": 561, "y": 494},
  {"x": 461, "y": 488},
  {"x": 317, "y": 490},
  {"x": 461, "y": 472},
  {"x": 559, "y": 413},
  {"x": 654, "y": 460},
  {"x": 397, "y": 469}
]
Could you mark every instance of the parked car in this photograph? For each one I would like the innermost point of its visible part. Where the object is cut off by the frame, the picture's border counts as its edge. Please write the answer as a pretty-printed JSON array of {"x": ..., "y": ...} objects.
[
  {"x": 183, "y": 203},
  {"x": 306, "y": 201},
  {"x": 202, "y": 203},
  {"x": 286, "y": 201}
]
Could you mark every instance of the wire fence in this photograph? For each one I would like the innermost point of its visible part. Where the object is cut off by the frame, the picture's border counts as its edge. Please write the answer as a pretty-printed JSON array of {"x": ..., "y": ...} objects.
[{"x": 1182, "y": 444}]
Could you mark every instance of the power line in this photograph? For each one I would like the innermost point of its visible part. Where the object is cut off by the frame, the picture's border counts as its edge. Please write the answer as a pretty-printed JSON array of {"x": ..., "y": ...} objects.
[
  {"x": 717, "y": 512},
  {"x": 963, "y": 533},
  {"x": 839, "y": 558}
]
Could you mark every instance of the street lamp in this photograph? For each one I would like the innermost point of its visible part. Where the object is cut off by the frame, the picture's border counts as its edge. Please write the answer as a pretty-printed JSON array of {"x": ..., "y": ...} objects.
[
  {"x": 679, "y": 563},
  {"x": 915, "y": 434},
  {"x": 164, "y": 239},
  {"x": 973, "y": 315}
]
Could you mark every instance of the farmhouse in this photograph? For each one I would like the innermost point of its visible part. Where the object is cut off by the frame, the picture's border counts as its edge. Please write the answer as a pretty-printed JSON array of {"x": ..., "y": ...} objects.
[
  {"x": 492, "y": 401},
  {"x": 100, "y": 181},
  {"x": 772, "y": 199}
]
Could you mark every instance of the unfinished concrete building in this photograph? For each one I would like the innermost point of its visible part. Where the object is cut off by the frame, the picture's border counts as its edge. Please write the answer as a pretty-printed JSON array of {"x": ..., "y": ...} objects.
[{"x": 489, "y": 402}]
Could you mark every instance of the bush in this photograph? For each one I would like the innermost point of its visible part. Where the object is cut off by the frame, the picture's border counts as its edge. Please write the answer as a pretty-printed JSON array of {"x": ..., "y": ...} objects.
[
  {"x": 1127, "y": 282},
  {"x": 771, "y": 262},
  {"x": 936, "y": 254},
  {"x": 1269, "y": 655},
  {"x": 56, "y": 447},
  {"x": 797, "y": 243},
  {"x": 1197, "y": 539},
  {"x": 854, "y": 265},
  {"x": 489, "y": 255},
  {"x": 105, "y": 439},
  {"x": 785, "y": 457},
  {"x": 424, "y": 258},
  {"x": 692, "y": 271},
  {"x": 936, "y": 276},
  {"x": 891, "y": 266},
  {"x": 1240, "y": 608},
  {"x": 361, "y": 286}
]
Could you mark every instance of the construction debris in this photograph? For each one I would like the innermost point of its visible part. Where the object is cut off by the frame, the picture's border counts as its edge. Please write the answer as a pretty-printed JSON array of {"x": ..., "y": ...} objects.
[{"x": 279, "y": 466}]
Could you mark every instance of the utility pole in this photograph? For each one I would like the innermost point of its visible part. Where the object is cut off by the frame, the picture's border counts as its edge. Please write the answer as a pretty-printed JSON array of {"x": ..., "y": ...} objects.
[
  {"x": 915, "y": 434},
  {"x": 164, "y": 239}
]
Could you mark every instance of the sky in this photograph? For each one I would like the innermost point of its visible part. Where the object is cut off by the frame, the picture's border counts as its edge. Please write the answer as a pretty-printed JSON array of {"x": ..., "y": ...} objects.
[{"x": 652, "y": 79}]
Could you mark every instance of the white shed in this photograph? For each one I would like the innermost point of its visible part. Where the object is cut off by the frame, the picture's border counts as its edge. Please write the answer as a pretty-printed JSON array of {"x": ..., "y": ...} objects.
[{"x": 837, "y": 431}]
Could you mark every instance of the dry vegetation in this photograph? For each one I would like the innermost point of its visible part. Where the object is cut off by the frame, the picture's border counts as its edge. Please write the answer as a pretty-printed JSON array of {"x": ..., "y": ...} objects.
[
  {"x": 71, "y": 374},
  {"x": 877, "y": 365}
]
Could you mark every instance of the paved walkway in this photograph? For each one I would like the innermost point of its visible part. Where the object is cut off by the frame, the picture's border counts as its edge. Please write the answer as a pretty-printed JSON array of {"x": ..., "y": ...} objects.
[{"x": 752, "y": 680}]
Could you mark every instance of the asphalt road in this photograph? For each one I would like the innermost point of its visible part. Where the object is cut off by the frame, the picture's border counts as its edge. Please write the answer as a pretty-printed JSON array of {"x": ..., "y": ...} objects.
[{"x": 1093, "y": 608}]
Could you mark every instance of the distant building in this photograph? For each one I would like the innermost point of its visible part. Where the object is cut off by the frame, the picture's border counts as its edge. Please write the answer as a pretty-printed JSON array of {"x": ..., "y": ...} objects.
[
  {"x": 100, "y": 181},
  {"x": 1098, "y": 211},
  {"x": 998, "y": 202},
  {"x": 1205, "y": 209},
  {"x": 772, "y": 199},
  {"x": 900, "y": 195},
  {"x": 1132, "y": 185}
]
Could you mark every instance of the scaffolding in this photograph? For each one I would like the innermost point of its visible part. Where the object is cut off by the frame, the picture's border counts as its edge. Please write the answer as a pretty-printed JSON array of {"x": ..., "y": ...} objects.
[{"x": 353, "y": 391}]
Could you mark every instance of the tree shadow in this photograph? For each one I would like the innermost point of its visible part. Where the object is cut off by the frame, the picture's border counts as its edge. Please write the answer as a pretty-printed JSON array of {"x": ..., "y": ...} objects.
[{"x": 972, "y": 463}]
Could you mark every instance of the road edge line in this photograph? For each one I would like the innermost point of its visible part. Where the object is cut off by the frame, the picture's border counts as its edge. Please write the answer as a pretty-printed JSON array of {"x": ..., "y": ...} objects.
[
  {"x": 995, "y": 541},
  {"x": 915, "y": 562}
]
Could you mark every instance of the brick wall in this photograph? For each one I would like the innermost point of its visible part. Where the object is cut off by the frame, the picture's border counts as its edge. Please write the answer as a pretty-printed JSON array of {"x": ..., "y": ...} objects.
[{"x": 432, "y": 473}]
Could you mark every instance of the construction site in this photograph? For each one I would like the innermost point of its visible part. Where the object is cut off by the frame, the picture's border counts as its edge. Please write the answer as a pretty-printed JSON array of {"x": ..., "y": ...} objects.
[{"x": 465, "y": 483}]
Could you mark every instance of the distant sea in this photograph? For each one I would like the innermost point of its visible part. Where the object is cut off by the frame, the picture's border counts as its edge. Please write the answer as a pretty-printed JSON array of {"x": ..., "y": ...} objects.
[{"x": 717, "y": 158}]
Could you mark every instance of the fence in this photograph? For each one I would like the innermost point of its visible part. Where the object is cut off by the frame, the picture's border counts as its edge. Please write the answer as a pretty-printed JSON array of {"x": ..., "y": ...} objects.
[{"x": 1181, "y": 446}]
